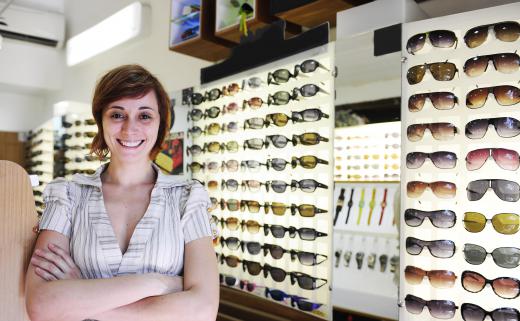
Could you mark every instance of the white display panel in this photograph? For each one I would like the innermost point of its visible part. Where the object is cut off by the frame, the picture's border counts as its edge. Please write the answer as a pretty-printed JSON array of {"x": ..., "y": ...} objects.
[
  {"x": 459, "y": 144},
  {"x": 322, "y": 173}
]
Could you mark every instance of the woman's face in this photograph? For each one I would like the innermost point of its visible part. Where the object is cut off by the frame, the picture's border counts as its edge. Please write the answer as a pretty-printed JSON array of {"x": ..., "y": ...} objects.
[{"x": 130, "y": 127}]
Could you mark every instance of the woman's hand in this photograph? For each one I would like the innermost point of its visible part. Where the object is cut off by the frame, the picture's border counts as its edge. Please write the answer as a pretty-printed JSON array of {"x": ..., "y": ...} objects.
[{"x": 54, "y": 264}]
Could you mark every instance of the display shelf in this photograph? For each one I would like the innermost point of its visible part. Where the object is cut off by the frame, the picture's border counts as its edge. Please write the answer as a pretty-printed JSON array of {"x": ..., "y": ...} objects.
[
  {"x": 192, "y": 33},
  {"x": 315, "y": 13},
  {"x": 454, "y": 80},
  {"x": 233, "y": 97}
]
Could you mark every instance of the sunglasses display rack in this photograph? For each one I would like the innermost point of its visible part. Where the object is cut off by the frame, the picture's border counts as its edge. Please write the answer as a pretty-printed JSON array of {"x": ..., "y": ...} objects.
[
  {"x": 368, "y": 153},
  {"x": 366, "y": 248},
  {"x": 460, "y": 178},
  {"x": 80, "y": 129},
  {"x": 39, "y": 161},
  {"x": 261, "y": 143}
]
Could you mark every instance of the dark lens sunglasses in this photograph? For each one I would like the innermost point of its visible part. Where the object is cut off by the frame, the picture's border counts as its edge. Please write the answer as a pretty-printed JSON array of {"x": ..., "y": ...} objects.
[
  {"x": 308, "y": 90},
  {"x": 307, "y": 234},
  {"x": 440, "y": 309},
  {"x": 506, "y": 63},
  {"x": 507, "y": 31},
  {"x": 279, "y": 141},
  {"x": 195, "y": 114},
  {"x": 441, "y": 159},
  {"x": 307, "y": 185},
  {"x": 308, "y": 139},
  {"x": 197, "y": 99},
  {"x": 438, "y": 38},
  {"x": 505, "y": 257},
  {"x": 506, "y": 127},
  {"x": 438, "y": 248},
  {"x": 306, "y": 281},
  {"x": 308, "y": 115},
  {"x": 439, "y": 131},
  {"x": 508, "y": 191},
  {"x": 281, "y": 98},
  {"x": 308, "y": 66},
  {"x": 504, "y": 287},
  {"x": 442, "y": 100},
  {"x": 440, "y": 219},
  {"x": 505, "y": 95},
  {"x": 279, "y": 76},
  {"x": 441, "y": 71},
  {"x": 473, "y": 312}
]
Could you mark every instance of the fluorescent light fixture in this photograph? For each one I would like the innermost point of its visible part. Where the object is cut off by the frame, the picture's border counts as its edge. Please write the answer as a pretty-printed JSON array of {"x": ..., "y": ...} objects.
[{"x": 120, "y": 27}]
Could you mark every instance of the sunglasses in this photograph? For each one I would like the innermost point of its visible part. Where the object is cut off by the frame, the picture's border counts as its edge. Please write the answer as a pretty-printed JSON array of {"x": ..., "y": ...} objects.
[
  {"x": 252, "y": 206},
  {"x": 441, "y": 189},
  {"x": 440, "y": 248},
  {"x": 505, "y": 95},
  {"x": 441, "y": 71},
  {"x": 440, "y": 219},
  {"x": 308, "y": 139},
  {"x": 505, "y": 158},
  {"x": 230, "y": 260},
  {"x": 506, "y": 127},
  {"x": 305, "y": 185},
  {"x": 508, "y": 191},
  {"x": 216, "y": 93},
  {"x": 507, "y": 31},
  {"x": 253, "y": 103},
  {"x": 506, "y": 257},
  {"x": 251, "y": 165},
  {"x": 506, "y": 63},
  {"x": 504, "y": 287},
  {"x": 253, "y": 83},
  {"x": 443, "y": 100},
  {"x": 308, "y": 90},
  {"x": 306, "y": 281},
  {"x": 230, "y": 165},
  {"x": 215, "y": 147},
  {"x": 504, "y": 223},
  {"x": 308, "y": 66},
  {"x": 441, "y": 279},
  {"x": 302, "y": 304},
  {"x": 308, "y": 115},
  {"x": 255, "y": 123},
  {"x": 472, "y": 312},
  {"x": 441, "y": 159},
  {"x": 440, "y": 309},
  {"x": 232, "y": 281},
  {"x": 253, "y": 268},
  {"x": 277, "y": 119},
  {"x": 194, "y": 150},
  {"x": 232, "y": 243},
  {"x": 281, "y": 98},
  {"x": 279, "y": 76},
  {"x": 306, "y": 234},
  {"x": 232, "y": 224},
  {"x": 252, "y": 185},
  {"x": 230, "y": 184},
  {"x": 438, "y": 38},
  {"x": 305, "y": 210},
  {"x": 231, "y": 204},
  {"x": 439, "y": 131}
]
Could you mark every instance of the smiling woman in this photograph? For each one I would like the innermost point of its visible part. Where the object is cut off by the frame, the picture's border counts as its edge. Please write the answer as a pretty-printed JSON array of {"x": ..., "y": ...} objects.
[{"x": 113, "y": 245}]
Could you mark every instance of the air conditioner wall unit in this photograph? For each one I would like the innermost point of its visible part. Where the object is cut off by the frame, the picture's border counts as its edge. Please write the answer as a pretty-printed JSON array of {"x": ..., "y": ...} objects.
[{"x": 34, "y": 26}]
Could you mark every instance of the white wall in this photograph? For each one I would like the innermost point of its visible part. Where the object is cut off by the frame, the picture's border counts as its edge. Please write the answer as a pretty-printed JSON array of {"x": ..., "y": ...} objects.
[{"x": 22, "y": 112}]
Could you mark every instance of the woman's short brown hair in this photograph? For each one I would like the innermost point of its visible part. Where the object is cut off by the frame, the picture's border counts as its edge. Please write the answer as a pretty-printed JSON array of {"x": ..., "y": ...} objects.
[{"x": 128, "y": 81}]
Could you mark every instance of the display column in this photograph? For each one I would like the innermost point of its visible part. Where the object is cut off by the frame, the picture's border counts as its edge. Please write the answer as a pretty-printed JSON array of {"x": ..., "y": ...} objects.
[{"x": 460, "y": 115}]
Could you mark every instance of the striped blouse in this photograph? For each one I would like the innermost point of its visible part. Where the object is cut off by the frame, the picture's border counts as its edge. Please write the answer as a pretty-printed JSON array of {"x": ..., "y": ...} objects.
[{"x": 176, "y": 215}]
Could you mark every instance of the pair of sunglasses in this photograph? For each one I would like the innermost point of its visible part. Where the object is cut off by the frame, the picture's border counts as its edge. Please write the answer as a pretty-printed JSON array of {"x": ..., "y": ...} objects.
[
  {"x": 305, "y": 233},
  {"x": 440, "y": 279},
  {"x": 280, "y": 76},
  {"x": 216, "y": 93},
  {"x": 505, "y": 95},
  {"x": 505, "y": 257},
  {"x": 439, "y": 248},
  {"x": 441, "y": 100},
  {"x": 305, "y": 258},
  {"x": 504, "y": 223},
  {"x": 305, "y": 185},
  {"x": 472, "y": 312},
  {"x": 439, "y": 131},
  {"x": 440, "y": 309},
  {"x": 438, "y": 39},
  {"x": 507, "y": 31},
  {"x": 505, "y": 158},
  {"x": 441, "y": 189},
  {"x": 251, "y": 165},
  {"x": 506, "y": 127},
  {"x": 504, "y": 287},
  {"x": 233, "y": 281},
  {"x": 307, "y": 161},
  {"x": 441, "y": 159},
  {"x": 508, "y": 191},
  {"x": 215, "y": 147},
  {"x": 232, "y": 223},
  {"x": 305, "y": 281},
  {"x": 305, "y": 210},
  {"x": 439, "y": 218},
  {"x": 298, "y": 301},
  {"x": 441, "y": 71},
  {"x": 506, "y": 63},
  {"x": 234, "y": 244}
]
